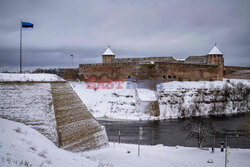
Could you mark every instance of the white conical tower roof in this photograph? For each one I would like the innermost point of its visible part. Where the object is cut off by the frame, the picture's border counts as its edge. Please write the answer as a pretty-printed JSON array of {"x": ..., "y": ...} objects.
[
  {"x": 215, "y": 51},
  {"x": 108, "y": 52}
]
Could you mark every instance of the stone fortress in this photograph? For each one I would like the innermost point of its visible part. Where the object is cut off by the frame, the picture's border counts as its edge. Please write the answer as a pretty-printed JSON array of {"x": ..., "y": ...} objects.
[{"x": 209, "y": 67}]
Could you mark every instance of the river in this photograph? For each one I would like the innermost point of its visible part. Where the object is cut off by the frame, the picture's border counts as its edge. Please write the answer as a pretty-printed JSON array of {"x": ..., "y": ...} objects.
[{"x": 172, "y": 133}]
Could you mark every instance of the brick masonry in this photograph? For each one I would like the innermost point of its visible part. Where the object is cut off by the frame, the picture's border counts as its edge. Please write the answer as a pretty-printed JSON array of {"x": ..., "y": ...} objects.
[
  {"x": 167, "y": 71},
  {"x": 193, "y": 68},
  {"x": 236, "y": 72}
]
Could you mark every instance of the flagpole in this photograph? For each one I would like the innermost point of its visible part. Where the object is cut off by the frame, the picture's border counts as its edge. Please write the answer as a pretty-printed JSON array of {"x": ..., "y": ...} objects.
[{"x": 20, "y": 46}]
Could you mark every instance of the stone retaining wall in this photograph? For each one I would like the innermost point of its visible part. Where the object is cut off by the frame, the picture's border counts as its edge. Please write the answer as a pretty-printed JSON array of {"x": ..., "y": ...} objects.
[{"x": 77, "y": 128}]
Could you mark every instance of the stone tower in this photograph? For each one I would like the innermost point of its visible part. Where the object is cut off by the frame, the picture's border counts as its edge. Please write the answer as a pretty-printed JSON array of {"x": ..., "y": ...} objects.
[
  {"x": 108, "y": 56},
  {"x": 215, "y": 57}
]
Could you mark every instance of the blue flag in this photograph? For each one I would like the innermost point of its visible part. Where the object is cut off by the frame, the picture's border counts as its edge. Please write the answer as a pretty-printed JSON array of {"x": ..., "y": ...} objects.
[{"x": 26, "y": 25}]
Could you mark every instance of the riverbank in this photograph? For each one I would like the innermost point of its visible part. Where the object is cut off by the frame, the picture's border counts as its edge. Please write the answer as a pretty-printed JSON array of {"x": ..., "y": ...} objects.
[
  {"x": 171, "y": 132},
  {"x": 21, "y": 145},
  {"x": 179, "y": 118}
]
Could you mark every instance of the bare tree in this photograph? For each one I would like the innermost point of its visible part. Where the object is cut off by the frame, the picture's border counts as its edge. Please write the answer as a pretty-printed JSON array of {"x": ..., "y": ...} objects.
[
  {"x": 225, "y": 93},
  {"x": 245, "y": 97},
  {"x": 245, "y": 126},
  {"x": 215, "y": 109},
  {"x": 198, "y": 128},
  {"x": 181, "y": 109},
  {"x": 171, "y": 101},
  {"x": 233, "y": 95},
  {"x": 197, "y": 103}
]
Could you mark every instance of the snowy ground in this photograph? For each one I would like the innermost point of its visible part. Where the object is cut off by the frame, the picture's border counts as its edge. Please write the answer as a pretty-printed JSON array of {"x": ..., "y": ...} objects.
[
  {"x": 160, "y": 155},
  {"x": 21, "y": 145},
  {"x": 12, "y": 77},
  {"x": 121, "y": 103}
]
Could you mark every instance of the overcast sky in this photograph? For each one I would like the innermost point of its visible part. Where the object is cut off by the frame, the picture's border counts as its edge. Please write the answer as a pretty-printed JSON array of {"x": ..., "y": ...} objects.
[{"x": 133, "y": 28}]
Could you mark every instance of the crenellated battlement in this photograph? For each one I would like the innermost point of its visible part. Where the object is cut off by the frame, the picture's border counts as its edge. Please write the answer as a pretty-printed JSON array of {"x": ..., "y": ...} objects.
[
  {"x": 108, "y": 64},
  {"x": 145, "y": 59},
  {"x": 193, "y": 68},
  {"x": 137, "y": 63}
]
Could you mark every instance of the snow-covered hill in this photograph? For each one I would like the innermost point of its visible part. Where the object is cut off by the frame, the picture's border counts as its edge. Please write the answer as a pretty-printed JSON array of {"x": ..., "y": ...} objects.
[
  {"x": 180, "y": 99},
  {"x": 108, "y": 103},
  {"x": 52, "y": 108},
  {"x": 22, "y": 146},
  {"x": 176, "y": 99}
]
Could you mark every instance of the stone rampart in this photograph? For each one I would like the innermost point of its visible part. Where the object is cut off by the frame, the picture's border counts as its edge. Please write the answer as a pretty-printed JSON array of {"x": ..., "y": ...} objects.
[
  {"x": 193, "y": 68},
  {"x": 145, "y": 59},
  {"x": 197, "y": 60},
  {"x": 76, "y": 127},
  {"x": 187, "y": 72},
  {"x": 159, "y": 70},
  {"x": 71, "y": 74},
  {"x": 236, "y": 72}
]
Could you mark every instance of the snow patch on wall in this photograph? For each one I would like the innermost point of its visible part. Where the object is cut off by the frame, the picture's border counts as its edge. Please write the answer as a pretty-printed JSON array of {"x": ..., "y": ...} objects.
[{"x": 30, "y": 104}]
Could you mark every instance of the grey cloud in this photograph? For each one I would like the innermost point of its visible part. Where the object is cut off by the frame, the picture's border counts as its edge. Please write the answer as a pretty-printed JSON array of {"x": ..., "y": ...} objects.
[{"x": 133, "y": 28}]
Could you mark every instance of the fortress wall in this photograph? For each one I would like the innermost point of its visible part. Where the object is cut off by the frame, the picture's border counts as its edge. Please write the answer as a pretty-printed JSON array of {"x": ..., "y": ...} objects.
[
  {"x": 30, "y": 104},
  {"x": 197, "y": 59},
  {"x": 76, "y": 127},
  {"x": 231, "y": 69},
  {"x": 219, "y": 61},
  {"x": 158, "y": 70},
  {"x": 145, "y": 59},
  {"x": 70, "y": 74},
  {"x": 146, "y": 71},
  {"x": 187, "y": 72},
  {"x": 236, "y": 72},
  {"x": 107, "y": 70}
]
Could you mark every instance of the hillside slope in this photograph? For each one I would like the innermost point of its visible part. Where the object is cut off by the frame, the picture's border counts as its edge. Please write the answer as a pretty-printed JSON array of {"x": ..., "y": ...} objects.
[
  {"x": 21, "y": 145},
  {"x": 176, "y": 99}
]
